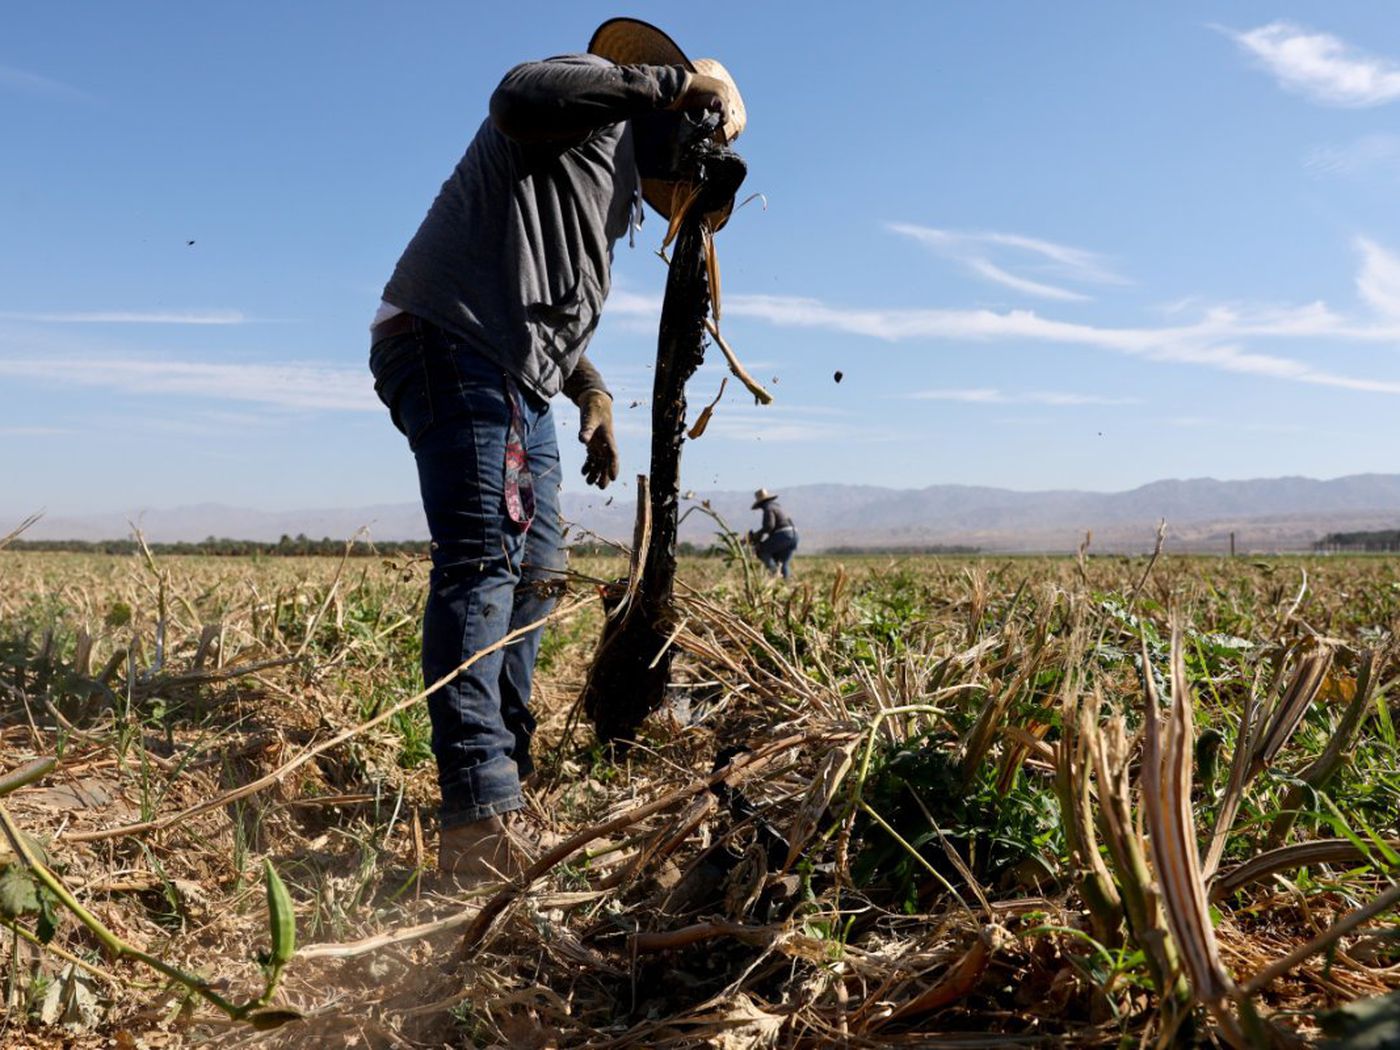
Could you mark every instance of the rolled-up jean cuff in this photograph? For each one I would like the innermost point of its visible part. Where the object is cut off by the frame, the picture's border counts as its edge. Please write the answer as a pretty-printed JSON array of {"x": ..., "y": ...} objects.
[
  {"x": 481, "y": 791},
  {"x": 451, "y": 816}
]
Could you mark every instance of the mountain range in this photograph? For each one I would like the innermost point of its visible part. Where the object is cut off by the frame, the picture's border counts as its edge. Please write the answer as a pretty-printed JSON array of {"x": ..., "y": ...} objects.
[{"x": 1286, "y": 513}]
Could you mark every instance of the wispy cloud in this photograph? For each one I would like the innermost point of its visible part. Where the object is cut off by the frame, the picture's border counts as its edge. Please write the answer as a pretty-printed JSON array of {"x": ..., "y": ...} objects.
[
  {"x": 1320, "y": 66},
  {"x": 302, "y": 386},
  {"x": 32, "y": 431},
  {"x": 790, "y": 424},
  {"x": 192, "y": 317},
  {"x": 1215, "y": 342},
  {"x": 1218, "y": 423},
  {"x": 994, "y": 273},
  {"x": 993, "y": 396},
  {"x": 1222, "y": 337},
  {"x": 633, "y": 304},
  {"x": 1379, "y": 152},
  {"x": 735, "y": 419},
  {"x": 34, "y": 84},
  {"x": 1379, "y": 280},
  {"x": 196, "y": 420},
  {"x": 975, "y": 251},
  {"x": 632, "y": 312}
]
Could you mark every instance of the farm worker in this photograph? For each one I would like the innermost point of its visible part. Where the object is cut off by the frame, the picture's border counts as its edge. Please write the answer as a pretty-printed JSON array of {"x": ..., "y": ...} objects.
[
  {"x": 485, "y": 319},
  {"x": 776, "y": 539}
]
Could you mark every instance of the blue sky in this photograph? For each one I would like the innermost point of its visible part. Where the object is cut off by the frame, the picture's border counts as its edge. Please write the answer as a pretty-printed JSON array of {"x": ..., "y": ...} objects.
[{"x": 1047, "y": 245}]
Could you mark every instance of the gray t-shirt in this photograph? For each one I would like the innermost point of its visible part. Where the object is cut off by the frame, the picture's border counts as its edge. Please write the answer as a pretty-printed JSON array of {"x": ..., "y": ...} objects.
[
  {"x": 515, "y": 254},
  {"x": 774, "y": 518}
]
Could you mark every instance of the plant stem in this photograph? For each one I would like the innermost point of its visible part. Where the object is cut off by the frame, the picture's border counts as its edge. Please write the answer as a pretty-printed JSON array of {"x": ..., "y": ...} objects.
[{"x": 110, "y": 940}]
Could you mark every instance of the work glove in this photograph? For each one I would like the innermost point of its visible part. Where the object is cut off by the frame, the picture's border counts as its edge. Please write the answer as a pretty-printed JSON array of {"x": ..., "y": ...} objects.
[
  {"x": 595, "y": 430},
  {"x": 702, "y": 92}
]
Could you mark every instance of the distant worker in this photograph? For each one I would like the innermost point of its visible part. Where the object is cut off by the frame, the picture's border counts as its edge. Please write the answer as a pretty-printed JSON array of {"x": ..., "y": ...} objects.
[
  {"x": 775, "y": 542},
  {"x": 485, "y": 318}
]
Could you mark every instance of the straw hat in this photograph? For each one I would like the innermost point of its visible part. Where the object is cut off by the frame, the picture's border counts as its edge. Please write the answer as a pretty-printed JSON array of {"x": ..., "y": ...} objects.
[
  {"x": 761, "y": 497},
  {"x": 632, "y": 42},
  {"x": 629, "y": 42}
]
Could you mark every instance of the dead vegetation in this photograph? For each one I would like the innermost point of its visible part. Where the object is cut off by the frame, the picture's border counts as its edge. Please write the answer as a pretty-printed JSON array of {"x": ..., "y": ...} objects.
[{"x": 964, "y": 802}]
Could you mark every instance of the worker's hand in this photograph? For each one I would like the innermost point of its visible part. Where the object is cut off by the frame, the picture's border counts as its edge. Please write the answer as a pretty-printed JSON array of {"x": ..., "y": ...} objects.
[
  {"x": 703, "y": 93},
  {"x": 595, "y": 430}
]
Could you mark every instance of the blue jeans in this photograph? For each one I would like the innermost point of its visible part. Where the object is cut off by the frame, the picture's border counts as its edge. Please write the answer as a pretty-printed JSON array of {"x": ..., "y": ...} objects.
[
  {"x": 777, "y": 549},
  {"x": 490, "y": 575}
]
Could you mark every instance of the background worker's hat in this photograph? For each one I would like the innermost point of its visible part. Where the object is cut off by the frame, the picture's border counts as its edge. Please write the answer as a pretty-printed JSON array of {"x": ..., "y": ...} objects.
[
  {"x": 761, "y": 497},
  {"x": 632, "y": 42}
]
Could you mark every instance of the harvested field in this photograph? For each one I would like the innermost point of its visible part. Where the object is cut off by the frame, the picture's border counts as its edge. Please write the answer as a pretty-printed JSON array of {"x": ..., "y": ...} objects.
[{"x": 901, "y": 802}]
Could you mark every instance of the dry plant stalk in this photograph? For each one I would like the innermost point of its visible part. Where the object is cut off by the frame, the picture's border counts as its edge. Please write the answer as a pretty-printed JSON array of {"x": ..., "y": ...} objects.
[
  {"x": 1382, "y": 904},
  {"x": 1029, "y": 739},
  {"x": 666, "y": 841},
  {"x": 741, "y": 766},
  {"x": 1166, "y": 802},
  {"x": 980, "y": 737},
  {"x": 641, "y": 547},
  {"x": 736, "y": 368},
  {"x": 1141, "y": 903},
  {"x": 1283, "y": 720},
  {"x": 1073, "y": 766},
  {"x": 832, "y": 771},
  {"x": 712, "y": 272},
  {"x": 670, "y": 940},
  {"x": 263, "y": 782},
  {"x": 331, "y": 592},
  {"x": 1235, "y": 787},
  {"x": 1258, "y": 741},
  {"x": 1288, "y": 858},
  {"x": 632, "y": 668},
  {"x": 23, "y": 526},
  {"x": 752, "y": 385},
  {"x": 956, "y": 982},
  {"x": 26, "y": 774},
  {"x": 1321, "y": 770}
]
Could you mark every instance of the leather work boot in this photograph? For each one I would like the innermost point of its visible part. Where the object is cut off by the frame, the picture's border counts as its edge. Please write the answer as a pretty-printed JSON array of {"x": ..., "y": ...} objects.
[
  {"x": 530, "y": 830},
  {"x": 533, "y": 830},
  {"x": 482, "y": 852}
]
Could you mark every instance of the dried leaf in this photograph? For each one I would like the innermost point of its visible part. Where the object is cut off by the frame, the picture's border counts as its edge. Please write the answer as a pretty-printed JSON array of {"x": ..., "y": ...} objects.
[
  {"x": 747, "y": 1026},
  {"x": 745, "y": 882},
  {"x": 71, "y": 1002},
  {"x": 706, "y": 413},
  {"x": 712, "y": 272},
  {"x": 1338, "y": 688},
  {"x": 679, "y": 210},
  {"x": 830, "y": 774}
]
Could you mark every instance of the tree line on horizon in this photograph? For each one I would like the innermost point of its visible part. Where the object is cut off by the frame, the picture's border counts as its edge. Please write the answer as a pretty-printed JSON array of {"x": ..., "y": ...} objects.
[
  {"x": 303, "y": 546},
  {"x": 299, "y": 546},
  {"x": 1377, "y": 541}
]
